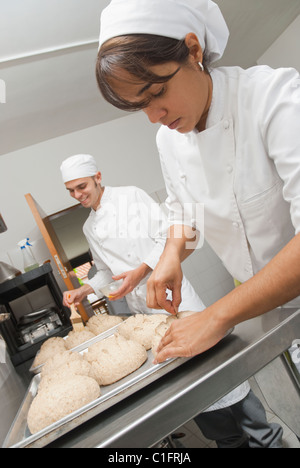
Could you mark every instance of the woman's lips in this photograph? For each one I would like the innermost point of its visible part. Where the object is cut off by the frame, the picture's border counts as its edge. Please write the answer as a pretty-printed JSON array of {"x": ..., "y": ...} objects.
[{"x": 174, "y": 124}]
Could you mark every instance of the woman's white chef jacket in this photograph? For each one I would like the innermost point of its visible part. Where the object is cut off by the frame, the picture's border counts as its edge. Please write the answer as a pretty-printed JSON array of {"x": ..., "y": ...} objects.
[
  {"x": 244, "y": 168},
  {"x": 128, "y": 229}
]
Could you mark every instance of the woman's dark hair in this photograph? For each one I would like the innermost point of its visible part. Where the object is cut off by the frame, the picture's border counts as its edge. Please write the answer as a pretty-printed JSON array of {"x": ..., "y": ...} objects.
[{"x": 135, "y": 54}]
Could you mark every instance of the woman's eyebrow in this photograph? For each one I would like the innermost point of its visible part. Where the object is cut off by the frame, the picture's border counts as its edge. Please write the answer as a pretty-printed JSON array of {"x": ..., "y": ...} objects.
[
  {"x": 148, "y": 85},
  {"x": 144, "y": 88}
]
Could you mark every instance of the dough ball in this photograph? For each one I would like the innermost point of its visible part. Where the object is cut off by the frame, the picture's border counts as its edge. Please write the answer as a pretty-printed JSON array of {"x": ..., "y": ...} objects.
[
  {"x": 114, "y": 358},
  {"x": 76, "y": 338},
  {"x": 70, "y": 368},
  {"x": 61, "y": 399},
  {"x": 141, "y": 328},
  {"x": 100, "y": 323},
  {"x": 48, "y": 349},
  {"x": 66, "y": 357}
]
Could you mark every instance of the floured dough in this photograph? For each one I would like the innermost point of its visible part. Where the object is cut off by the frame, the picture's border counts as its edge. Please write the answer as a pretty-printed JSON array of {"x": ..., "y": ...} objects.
[
  {"x": 100, "y": 323},
  {"x": 72, "y": 367},
  {"x": 48, "y": 349},
  {"x": 58, "y": 360},
  {"x": 76, "y": 338},
  {"x": 114, "y": 358},
  {"x": 141, "y": 328},
  {"x": 61, "y": 399}
]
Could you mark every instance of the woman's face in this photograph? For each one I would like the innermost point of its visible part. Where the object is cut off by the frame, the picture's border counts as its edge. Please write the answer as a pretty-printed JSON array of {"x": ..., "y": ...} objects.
[{"x": 182, "y": 103}]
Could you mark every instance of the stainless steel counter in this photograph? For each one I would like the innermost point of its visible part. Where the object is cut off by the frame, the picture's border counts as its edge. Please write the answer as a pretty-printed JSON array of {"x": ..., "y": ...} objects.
[{"x": 147, "y": 416}]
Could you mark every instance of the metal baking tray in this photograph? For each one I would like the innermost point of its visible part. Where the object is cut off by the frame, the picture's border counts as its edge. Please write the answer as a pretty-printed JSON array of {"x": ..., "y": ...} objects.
[{"x": 19, "y": 435}]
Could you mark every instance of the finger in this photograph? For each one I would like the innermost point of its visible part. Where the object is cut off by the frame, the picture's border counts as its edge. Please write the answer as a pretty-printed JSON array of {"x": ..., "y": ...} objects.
[
  {"x": 168, "y": 352},
  {"x": 66, "y": 300},
  {"x": 157, "y": 299},
  {"x": 151, "y": 296},
  {"x": 118, "y": 294},
  {"x": 165, "y": 341},
  {"x": 176, "y": 298},
  {"x": 118, "y": 277}
]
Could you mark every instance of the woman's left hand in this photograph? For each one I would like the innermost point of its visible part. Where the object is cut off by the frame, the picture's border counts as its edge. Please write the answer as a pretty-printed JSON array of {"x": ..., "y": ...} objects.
[{"x": 190, "y": 336}]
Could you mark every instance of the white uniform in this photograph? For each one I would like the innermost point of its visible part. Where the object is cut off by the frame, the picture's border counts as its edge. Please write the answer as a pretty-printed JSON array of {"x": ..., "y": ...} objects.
[
  {"x": 128, "y": 229},
  {"x": 244, "y": 168}
]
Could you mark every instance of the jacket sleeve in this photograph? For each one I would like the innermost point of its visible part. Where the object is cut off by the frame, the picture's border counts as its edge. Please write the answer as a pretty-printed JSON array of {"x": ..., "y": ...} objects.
[
  {"x": 176, "y": 212},
  {"x": 103, "y": 275},
  {"x": 280, "y": 117},
  {"x": 155, "y": 222}
]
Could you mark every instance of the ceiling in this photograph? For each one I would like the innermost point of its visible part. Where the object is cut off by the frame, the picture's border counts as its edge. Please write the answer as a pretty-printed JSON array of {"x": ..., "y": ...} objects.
[{"x": 48, "y": 51}]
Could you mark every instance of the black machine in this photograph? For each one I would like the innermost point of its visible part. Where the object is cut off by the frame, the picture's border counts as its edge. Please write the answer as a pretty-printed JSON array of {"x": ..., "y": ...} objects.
[{"x": 31, "y": 312}]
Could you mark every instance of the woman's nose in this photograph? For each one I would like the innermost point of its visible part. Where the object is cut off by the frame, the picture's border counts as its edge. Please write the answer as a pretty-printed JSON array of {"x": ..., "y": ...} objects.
[{"x": 154, "y": 113}]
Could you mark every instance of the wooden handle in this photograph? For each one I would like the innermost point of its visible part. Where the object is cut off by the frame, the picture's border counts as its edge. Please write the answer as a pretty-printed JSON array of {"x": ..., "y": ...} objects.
[{"x": 75, "y": 317}]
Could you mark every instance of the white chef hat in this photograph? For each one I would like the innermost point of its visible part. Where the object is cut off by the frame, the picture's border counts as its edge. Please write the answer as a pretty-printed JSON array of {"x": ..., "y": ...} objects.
[
  {"x": 170, "y": 18},
  {"x": 78, "y": 166}
]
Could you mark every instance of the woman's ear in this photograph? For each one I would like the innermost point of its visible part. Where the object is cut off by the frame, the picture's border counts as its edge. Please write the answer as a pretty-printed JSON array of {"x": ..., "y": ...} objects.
[{"x": 193, "y": 44}]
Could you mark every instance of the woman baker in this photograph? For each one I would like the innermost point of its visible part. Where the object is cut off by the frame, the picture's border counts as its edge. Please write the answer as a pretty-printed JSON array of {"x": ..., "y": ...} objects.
[{"x": 229, "y": 139}]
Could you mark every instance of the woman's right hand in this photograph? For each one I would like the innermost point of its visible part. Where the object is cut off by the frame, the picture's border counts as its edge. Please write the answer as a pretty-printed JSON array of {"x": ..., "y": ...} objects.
[{"x": 166, "y": 275}]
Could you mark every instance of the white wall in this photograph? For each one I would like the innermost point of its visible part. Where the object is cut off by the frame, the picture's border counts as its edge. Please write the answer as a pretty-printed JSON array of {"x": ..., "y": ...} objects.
[
  {"x": 125, "y": 150},
  {"x": 284, "y": 52}
]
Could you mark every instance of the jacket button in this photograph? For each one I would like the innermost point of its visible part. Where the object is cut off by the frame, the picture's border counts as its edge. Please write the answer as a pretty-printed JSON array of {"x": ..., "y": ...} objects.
[
  {"x": 226, "y": 124},
  {"x": 235, "y": 225},
  {"x": 229, "y": 169}
]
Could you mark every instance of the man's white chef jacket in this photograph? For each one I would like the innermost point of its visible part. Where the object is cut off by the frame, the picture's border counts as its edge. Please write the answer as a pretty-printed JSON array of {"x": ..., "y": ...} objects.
[{"x": 128, "y": 229}]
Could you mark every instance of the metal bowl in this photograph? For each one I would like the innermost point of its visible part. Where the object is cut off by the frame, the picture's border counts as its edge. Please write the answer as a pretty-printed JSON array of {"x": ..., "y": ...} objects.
[{"x": 7, "y": 272}]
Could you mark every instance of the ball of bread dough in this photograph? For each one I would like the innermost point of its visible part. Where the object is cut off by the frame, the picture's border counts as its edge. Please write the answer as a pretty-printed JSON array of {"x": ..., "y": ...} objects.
[
  {"x": 114, "y": 358},
  {"x": 100, "y": 323},
  {"x": 61, "y": 399},
  {"x": 48, "y": 349},
  {"x": 69, "y": 368},
  {"x": 76, "y": 338},
  {"x": 141, "y": 328},
  {"x": 58, "y": 360}
]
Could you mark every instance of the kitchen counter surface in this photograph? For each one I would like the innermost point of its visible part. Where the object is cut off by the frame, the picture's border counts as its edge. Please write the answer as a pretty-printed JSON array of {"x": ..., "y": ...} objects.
[{"x": 150, "y": 414}]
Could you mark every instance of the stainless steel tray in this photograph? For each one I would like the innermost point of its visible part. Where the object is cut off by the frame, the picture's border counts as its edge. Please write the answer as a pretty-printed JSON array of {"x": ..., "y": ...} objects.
[{"x": 19, "y": 435}]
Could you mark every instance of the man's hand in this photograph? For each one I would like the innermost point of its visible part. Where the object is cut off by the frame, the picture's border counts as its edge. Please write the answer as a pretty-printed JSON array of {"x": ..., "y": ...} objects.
[
  {"x": 75, "y": 296},
  {"x": 131, "y": 279}
]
